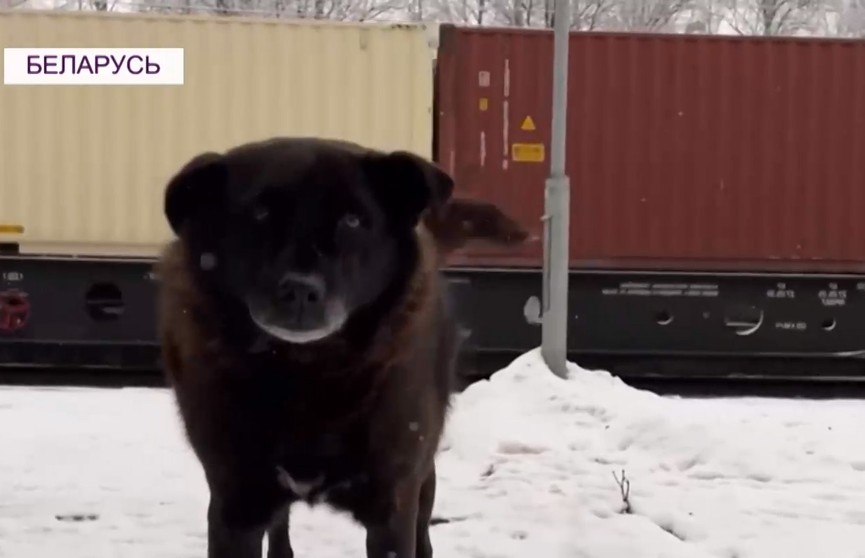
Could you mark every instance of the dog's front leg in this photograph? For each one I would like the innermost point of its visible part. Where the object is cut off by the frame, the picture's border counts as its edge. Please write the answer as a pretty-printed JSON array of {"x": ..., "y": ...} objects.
[
  {"x": 395, "y": 536},
  {"x": 278, "y": 538},
  {"x": 231, "y": 539}
]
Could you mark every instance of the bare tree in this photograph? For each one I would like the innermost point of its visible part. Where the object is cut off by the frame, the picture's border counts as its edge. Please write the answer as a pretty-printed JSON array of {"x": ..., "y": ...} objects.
[
  {"x": 772, "y": 17},
  {"x": 417, "y": 10},
  {"x": 647, "y": 15},
  {"x": 88, "y": 5},
  {"x": 586, "y": 15},
  {"x": 589, "y": 15},
  {"x": 846, "y": 18},
  {"x": 512, "y": 13},
  {"x": 703, "y": 17},
  {"x": 347, "y": 10},
  {"x": 471, "y": 12},
  {"x": 343, "y": 10}
]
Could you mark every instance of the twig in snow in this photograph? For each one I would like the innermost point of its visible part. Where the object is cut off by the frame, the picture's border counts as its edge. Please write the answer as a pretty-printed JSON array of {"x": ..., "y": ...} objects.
[{"x": 625, "y": 489}]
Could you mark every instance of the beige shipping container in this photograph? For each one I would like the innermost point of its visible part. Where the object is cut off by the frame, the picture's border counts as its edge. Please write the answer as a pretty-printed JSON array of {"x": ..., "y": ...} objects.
[{"x": 82, "y": 168}]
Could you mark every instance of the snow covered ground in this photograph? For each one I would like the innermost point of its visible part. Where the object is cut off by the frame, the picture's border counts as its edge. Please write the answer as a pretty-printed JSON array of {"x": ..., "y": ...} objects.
[{"x": 526, "y": 471}]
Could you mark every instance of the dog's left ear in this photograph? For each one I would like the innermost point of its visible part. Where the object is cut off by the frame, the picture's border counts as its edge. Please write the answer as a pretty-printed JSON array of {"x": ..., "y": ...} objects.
[{"x": 406, "y": 184}]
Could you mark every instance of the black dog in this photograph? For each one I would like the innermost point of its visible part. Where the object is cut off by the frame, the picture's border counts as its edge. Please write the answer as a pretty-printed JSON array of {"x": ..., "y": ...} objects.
[{"x": 306, "y": 336}]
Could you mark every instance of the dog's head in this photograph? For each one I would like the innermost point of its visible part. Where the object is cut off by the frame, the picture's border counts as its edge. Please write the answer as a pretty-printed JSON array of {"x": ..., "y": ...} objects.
[{"x": 302, "y": 232}]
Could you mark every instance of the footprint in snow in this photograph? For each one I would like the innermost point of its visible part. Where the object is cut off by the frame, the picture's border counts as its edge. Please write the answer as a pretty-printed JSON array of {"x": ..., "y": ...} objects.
[
  {"x": 77, "y": 517},
  {"x": 519, "y": 448}
]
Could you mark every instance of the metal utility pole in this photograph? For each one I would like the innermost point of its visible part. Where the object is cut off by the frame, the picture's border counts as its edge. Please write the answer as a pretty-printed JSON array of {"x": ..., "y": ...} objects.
[{"x": 557, "y": 199}]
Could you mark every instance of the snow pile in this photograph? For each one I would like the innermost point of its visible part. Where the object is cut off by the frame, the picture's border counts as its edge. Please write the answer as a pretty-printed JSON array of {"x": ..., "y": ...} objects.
[
  {"x": 727, "y": 478},
  {"x": 526, "y": 469}
]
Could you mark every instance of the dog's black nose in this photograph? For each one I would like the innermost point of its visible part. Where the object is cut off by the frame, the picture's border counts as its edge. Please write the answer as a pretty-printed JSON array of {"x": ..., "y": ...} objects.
[{"x": 301, "y": 291}]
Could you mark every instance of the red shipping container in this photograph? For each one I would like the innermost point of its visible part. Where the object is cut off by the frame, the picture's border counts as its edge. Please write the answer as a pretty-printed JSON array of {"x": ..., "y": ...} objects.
[{"x": 684, "y": 152}]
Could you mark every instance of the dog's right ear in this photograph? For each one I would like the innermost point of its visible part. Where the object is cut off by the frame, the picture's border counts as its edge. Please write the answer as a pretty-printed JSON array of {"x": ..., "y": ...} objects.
[
  {"x": 198, "y": 185},
  {"x": 407, "y": 184}
]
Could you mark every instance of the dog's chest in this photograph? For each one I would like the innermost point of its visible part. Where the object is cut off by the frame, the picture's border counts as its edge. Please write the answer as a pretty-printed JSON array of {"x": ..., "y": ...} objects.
[
  {"x": 318, "y": 434},
  {"x": 302, "y": 487},
  {"x": 318, "y": 466}
]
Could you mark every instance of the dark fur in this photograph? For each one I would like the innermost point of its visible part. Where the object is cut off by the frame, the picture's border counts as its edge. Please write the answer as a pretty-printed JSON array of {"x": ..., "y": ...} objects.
[
  {"x": 461, "y": 222},
  {"x": 362, "y": 409}
]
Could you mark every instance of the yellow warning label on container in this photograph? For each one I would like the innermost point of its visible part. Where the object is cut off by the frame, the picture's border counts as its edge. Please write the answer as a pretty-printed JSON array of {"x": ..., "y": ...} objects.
[
  {"x": 528, "y": 124},
  {"x": 11, "y": 229},
  {"x": 527, "y": 152},
  {"x": 483, "y": 103}
]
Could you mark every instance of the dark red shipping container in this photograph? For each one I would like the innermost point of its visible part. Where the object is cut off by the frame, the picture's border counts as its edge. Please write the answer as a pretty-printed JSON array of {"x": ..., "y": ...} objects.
[{"x": 684, "y": 152}]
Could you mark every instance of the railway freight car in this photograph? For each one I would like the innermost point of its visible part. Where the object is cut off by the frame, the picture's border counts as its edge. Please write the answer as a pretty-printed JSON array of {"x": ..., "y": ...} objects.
[
  {"x": 717, "y": 195},
  {"x": 716, "y": 181},
  {"x": 83, "y": 168}
]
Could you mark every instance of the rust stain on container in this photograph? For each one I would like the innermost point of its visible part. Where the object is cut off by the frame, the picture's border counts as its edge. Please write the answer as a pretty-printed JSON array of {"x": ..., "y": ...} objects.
[{"x": 684, "y": 152}]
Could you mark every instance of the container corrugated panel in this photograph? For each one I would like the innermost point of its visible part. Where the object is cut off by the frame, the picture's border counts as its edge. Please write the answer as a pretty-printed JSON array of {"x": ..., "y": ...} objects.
[
  {"x": 683, "y": 152},
  {"x": 83, "y": 168}
]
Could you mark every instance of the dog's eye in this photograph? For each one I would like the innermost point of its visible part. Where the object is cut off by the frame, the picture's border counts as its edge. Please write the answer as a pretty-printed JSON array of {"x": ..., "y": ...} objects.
[{"x": 351, "y": 221}]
